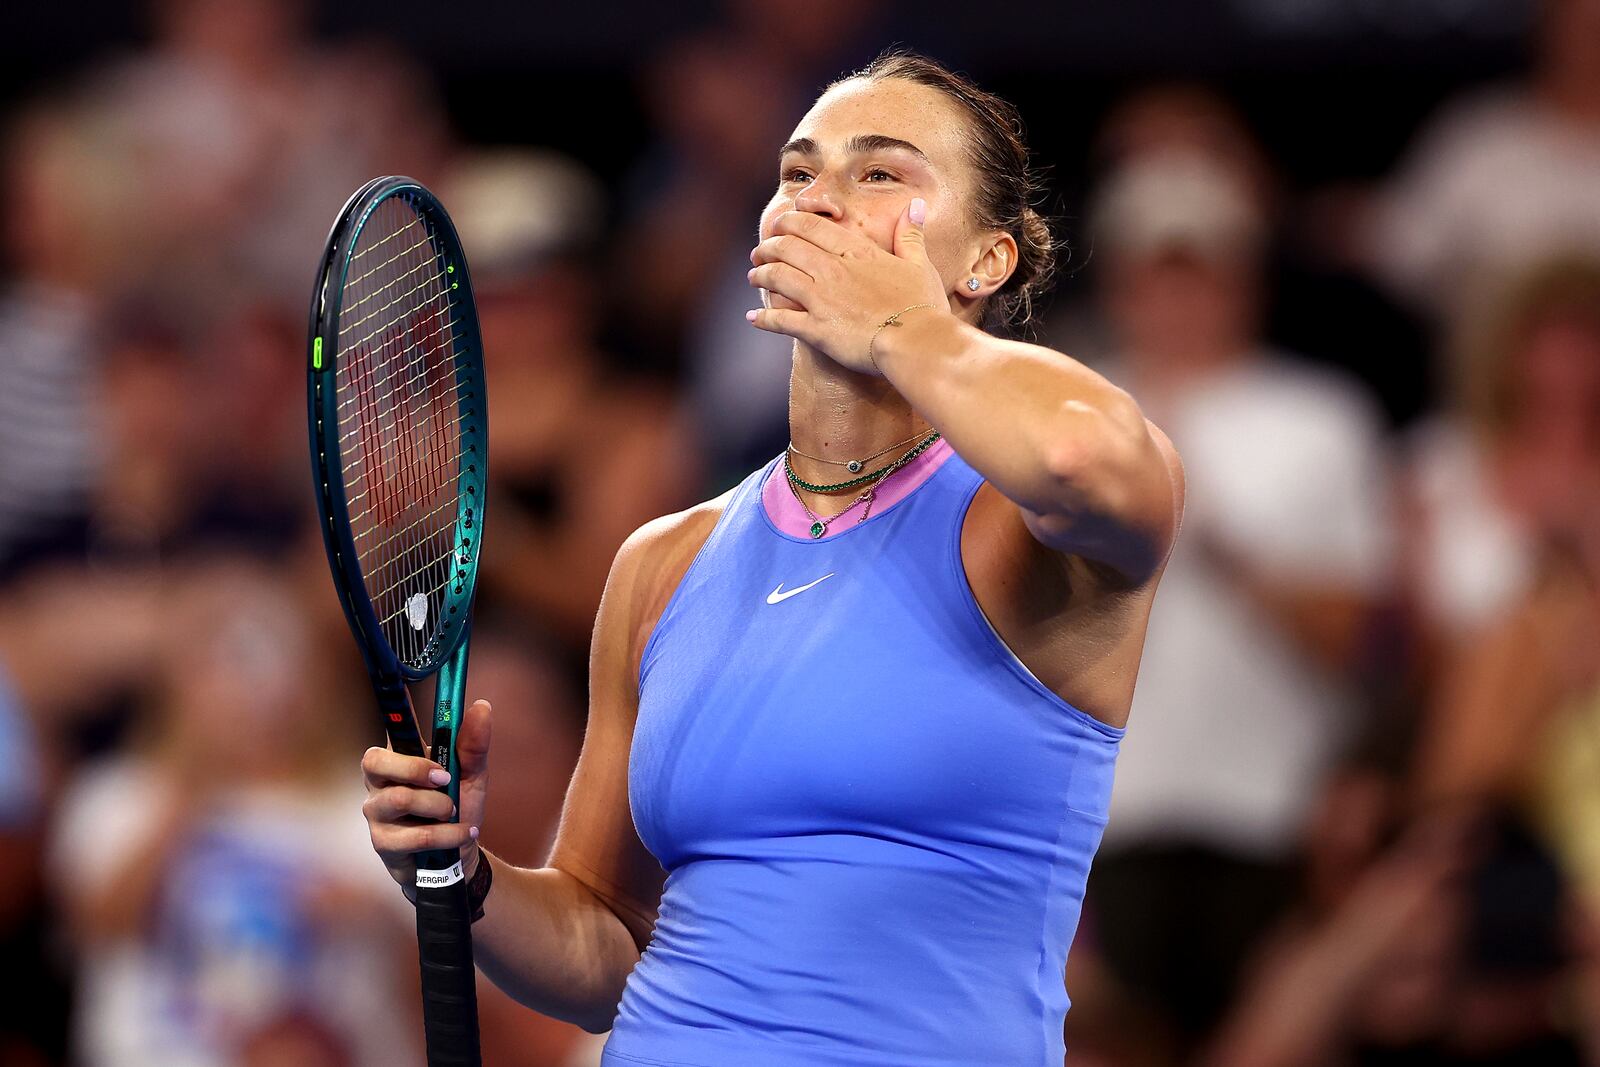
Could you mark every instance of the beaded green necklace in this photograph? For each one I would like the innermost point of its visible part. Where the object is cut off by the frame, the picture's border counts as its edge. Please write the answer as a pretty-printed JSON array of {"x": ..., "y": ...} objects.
[{"x": 819, "y": 525}]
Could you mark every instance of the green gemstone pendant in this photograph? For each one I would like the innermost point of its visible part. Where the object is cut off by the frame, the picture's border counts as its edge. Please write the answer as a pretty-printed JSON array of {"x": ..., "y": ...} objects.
[{"x": 817, "y": 529}]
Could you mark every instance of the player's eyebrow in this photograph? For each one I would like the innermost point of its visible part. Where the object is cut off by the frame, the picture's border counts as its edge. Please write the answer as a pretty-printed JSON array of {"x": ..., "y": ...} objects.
[{"x": 860, "y": 143}]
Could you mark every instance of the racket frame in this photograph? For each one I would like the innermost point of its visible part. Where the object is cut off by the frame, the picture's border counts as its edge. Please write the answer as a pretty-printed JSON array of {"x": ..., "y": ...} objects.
[
  {"x": 389, "y": 674},
  {"x": 444, "y": 926}
]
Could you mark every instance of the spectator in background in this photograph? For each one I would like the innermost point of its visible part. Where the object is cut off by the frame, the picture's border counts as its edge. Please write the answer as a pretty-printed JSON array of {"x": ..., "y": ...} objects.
[
  {"x": 1502, "y": 179},
  {"x": 249, "y": 472},
  {"x": 144, "y": 493},
  {"x": 58, "y": 239},
  {"x": 582, "y": 455},
  {"x": 1447, "y": 942},
  {"x": 219, "y": 908},
  {"x": 1159, "y": 120},
  {"x": 1502, "y": 471},
  {"x": 1367, "y": 923},
  {"x": 234, "y": 140},
  {"x": 1321, "y": 308},
  {"x": 54, "y": 671},
  {"x": 1253, "y": 642},
  {"x": 191, "y": 182},
  {"x": 201, "y": 443},
  {"x": 1192, "y": 119},
  {"x": 1511, "y": 525},
  {"x": 1518, "y": 719}
]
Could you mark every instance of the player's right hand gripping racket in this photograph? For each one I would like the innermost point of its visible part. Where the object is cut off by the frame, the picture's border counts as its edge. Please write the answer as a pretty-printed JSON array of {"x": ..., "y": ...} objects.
[{"x": 398, "y": 450}]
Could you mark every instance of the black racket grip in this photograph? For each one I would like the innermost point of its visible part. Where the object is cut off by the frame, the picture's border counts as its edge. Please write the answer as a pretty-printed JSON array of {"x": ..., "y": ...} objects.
[{"x": 449, "y": 984}]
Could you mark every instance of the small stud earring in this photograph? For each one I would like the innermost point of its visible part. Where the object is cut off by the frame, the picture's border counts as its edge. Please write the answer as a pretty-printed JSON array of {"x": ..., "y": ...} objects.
[{"x": 972, "y": 283}]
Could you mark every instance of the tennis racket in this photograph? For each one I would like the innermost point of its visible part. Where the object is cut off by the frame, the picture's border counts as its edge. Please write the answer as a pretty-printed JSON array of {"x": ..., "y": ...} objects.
[{"x": 398, "y": 447}]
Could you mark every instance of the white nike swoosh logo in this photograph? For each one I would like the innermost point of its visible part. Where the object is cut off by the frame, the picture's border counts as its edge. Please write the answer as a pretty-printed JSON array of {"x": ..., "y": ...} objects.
[{"x": 780, "y": 594}]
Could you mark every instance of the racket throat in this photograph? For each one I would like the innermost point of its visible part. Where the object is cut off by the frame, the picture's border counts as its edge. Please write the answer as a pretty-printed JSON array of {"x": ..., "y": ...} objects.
[
  {"x": 449, "y": 701},
  {"x": 399, "y": 721}
]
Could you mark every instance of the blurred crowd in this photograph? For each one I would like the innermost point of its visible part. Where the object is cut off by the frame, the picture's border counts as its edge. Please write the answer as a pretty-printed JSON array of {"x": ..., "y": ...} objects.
[{"x": 1357, "y": 816}]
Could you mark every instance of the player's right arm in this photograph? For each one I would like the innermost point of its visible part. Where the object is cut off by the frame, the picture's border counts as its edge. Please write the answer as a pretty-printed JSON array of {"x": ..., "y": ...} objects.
[{"x": 561, "y": 938}]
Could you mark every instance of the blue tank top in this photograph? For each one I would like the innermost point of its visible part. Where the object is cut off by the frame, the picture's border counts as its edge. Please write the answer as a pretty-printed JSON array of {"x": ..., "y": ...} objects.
[{"x": 876, "y": 823}]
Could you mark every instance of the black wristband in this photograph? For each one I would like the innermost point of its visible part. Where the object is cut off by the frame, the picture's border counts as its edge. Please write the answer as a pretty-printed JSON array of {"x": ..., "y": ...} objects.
[{"x": 477, "y": 887}]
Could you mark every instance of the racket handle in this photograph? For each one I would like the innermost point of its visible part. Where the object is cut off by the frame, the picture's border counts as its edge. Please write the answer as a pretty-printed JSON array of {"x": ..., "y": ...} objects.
[{"x": 449, "y": 983}]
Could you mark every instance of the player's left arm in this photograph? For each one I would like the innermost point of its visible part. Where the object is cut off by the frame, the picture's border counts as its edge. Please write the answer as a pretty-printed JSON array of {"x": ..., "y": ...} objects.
[{"x": 1092, "y": 476}]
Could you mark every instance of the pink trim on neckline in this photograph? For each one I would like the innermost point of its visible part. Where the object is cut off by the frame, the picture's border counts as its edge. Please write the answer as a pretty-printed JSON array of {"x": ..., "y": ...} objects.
[{"x": 787, "y": 514}]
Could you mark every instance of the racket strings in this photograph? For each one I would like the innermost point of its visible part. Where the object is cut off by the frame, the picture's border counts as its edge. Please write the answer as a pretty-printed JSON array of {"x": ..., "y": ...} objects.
[
  {"x": 430, "y": 281},
  {"x": 399, "y": 482},
  {"x": 386, "y": 428},
  {"x": 366, "y": 250},
  {"x": 441, "y": 329},
  {"x": 447, "y": 346},
  {"x": 381, "y": 504},
  {"x": 373, "y": 270},
  {"x": 399, "y": 400},
  {"x": 406, "y": 583},
  {"x": 362, "y": 553},
  {"x": 359, "y": 401},
  {"x": 399, "y": 564}
]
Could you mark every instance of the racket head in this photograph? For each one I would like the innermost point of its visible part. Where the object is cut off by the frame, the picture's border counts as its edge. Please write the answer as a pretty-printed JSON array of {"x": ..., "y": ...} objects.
[{"x": 399, "y": 427}]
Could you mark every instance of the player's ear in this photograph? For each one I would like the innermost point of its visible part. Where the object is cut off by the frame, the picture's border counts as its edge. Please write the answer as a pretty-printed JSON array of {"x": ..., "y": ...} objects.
[{"x": 996, "y": 261}]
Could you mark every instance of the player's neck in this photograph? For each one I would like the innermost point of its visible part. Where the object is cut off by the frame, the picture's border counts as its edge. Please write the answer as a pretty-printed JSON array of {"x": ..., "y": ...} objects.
[{"x": 837, "y": 413}]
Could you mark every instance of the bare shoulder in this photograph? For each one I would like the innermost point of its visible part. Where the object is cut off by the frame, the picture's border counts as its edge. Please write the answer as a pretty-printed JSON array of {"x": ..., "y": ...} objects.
[
  {"x": 651, "y": 563},
  {"x": 669, "y": 536}
]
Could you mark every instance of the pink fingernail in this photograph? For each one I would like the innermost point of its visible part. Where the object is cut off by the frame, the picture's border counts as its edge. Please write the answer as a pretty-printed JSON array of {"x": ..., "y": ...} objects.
[
  {"x": 919, "y": 210},
  {"x": 472, "y": 831},
  {"x": 750, "y": 316},
  {"x": 439, "y": 777}
]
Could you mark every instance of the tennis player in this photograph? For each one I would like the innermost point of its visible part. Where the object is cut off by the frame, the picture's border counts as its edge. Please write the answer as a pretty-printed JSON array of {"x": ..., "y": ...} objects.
[{"x": 852, "y": 723}]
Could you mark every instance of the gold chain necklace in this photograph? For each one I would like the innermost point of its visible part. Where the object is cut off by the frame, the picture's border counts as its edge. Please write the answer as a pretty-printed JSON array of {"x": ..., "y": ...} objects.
[
  {"x": 854, "y": 465},
  {"x": 819, "y": 525},
  {"x": 860, "y": 479}
]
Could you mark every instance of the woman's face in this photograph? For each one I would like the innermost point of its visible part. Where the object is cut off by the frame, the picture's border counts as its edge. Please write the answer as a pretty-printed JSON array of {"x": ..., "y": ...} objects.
[{"x": 863, "y": 151}]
